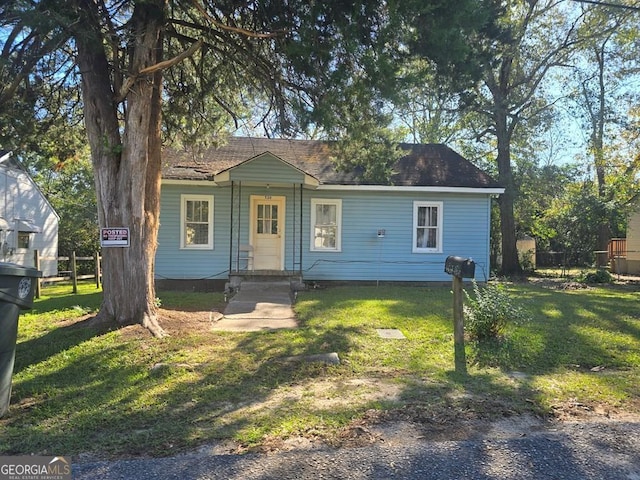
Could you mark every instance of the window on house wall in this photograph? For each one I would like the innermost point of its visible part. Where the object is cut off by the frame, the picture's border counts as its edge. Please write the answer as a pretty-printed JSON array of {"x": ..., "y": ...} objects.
[
  {"x": 427, "y": 227},
  {"x": 24, "y": 240},
  {"x": 196, "y": 221},
  {"x": 326, "y": 224}
]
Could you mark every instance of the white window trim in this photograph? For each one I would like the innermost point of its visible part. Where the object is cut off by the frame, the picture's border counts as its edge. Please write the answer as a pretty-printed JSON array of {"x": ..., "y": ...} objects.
[
  {"x": 183, "y": 219},
  {"x": 326, "y": 201},
  {"x": 416, "y": 206}
]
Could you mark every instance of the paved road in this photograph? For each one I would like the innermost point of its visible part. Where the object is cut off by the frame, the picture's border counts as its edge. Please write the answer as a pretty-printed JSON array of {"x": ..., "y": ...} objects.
[{"x": 581, "y": 451}]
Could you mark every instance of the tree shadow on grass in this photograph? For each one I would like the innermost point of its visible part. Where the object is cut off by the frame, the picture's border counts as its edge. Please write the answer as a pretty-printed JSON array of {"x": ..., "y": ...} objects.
[
  {"x": 113, "y": 407},
  {"x": 112, "y": 398},
  {"x": 584, "y": 327},
  {"x": 106, "y": 397},
  {"x": 39, "y": 349},
  {"x": 590, "y": 334},
  {"x": 66, "y": 408},
  {"x": 567, "y": 328}
]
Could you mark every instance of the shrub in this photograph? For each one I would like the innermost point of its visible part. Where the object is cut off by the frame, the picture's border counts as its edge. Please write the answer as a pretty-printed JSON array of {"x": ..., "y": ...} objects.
[
  {"x": 526, "y": 260},
  {"x": 599, "y": 276},
  {"x": 489, "y": 310}
]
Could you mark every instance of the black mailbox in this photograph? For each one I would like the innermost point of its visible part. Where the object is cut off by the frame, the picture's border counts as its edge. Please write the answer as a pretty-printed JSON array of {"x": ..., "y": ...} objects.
[{"x": 460, "y": 267}]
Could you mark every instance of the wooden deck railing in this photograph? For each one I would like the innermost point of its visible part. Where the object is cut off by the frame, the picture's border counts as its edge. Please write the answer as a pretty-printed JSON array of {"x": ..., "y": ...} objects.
[{"x": 617, "y": 248}]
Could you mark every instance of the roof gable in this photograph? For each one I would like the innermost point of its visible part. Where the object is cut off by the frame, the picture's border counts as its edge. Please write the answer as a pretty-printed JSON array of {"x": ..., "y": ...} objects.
[
  {"x": 12, "y": 168},
  {"x": 265, "y": 168}
]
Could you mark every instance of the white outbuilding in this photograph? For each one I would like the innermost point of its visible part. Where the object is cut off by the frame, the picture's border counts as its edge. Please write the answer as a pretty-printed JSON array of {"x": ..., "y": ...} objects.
[{"x": 28, "y": 222}]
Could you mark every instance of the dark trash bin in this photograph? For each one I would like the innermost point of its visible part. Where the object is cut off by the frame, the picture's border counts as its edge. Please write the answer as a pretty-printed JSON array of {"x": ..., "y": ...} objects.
[{"x": 17, "y": 286}]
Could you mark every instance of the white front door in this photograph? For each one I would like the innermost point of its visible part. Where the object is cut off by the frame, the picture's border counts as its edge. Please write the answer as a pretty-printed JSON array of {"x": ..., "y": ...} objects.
[{"x": 267, "y": 232}]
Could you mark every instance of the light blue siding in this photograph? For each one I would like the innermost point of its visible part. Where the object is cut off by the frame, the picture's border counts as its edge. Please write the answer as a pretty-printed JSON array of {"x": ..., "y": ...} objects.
[
  {"x": 364, "y": 256},
  {"x": 176, "y": 263},
  {"x": 266, "y": 169}
]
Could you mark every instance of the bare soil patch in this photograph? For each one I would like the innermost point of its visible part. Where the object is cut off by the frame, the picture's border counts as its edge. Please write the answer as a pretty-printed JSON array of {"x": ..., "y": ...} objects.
[
  {"x": 175, "y": 322},
  {"x": 180, "y": 322}
]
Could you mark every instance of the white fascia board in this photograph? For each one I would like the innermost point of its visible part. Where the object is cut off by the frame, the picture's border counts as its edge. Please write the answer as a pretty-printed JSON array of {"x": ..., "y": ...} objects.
[
  {"x": 224, "y": 176},
  {"x": 170, "y": 181},
  {"x": 6, "y": 156},
  {"x": 393, "y": 188},
  {"x": 311, "y": 181}
]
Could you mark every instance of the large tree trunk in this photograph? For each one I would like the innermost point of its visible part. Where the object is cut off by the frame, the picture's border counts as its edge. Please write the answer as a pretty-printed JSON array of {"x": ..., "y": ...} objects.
[
  {"x": 597, "y": 140},
  {"x": 510, "y": 261},
  {"x": 604, "y": 230},
  {"x": 126, "y": 162},
  {"x": 499, "y": 85}
]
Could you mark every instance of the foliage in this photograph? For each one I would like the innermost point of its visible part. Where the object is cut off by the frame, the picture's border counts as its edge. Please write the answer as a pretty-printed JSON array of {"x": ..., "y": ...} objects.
[
  {"x": 457, "y": 53},
  {"x": 369, "y": 151},
  {"x": 340, "y": 71},
  {"x": 428, "y": 109},
  {"x": 572, "y": 219},
  {"x": 598, "y": 276},
  {"x": 490, "y": 310},
  {"x": 526, "y": 260},
  {"x": 538, "y": 187},
  {"x": 41, "y": 122},
  {"x": 509, "y": 103},
  {"x": 598, "y": 93},
  {"x": 70, "y": 189}
]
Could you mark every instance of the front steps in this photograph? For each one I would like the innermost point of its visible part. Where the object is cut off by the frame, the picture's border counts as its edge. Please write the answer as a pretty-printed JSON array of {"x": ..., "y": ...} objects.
[{"x": 262, "y": 279}]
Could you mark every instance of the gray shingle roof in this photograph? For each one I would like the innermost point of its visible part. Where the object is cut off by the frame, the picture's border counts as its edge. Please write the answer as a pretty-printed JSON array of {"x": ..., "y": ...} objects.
[{"x": 423, "y": 165}]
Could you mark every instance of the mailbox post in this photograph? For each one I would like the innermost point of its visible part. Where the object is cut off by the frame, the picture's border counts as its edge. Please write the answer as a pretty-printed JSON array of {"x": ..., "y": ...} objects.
[{"x": 459, "y": 268}]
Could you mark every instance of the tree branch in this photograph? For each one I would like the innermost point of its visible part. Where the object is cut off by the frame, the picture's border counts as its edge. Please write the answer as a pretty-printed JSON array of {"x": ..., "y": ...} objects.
[
  {"x": 241, "y": 31},
  {"x": 173, "y": 61},
  {"x": 609, "y": 4},
  {"x": 128, "y": 83}
]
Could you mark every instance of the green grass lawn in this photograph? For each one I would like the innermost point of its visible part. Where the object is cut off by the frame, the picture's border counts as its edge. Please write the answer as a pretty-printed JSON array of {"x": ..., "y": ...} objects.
[{"x": 124, "y": 392}]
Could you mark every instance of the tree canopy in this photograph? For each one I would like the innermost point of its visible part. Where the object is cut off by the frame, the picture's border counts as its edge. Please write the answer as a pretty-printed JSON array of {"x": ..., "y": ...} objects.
[
  {"x": 287, "y": 66},
  {"x": 483, "y": 74}
]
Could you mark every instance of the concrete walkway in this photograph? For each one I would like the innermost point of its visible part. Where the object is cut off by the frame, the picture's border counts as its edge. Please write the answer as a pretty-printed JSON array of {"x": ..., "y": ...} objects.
[{"x": 259, "y": 305}]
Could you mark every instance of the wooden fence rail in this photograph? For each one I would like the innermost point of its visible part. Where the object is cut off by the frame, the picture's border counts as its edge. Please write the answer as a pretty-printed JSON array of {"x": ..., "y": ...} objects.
[{"x": 72, "y": 272}]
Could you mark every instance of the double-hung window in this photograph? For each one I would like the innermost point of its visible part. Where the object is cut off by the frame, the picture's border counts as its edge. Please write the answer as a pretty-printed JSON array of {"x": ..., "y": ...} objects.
[
  {"x": 427, "y": 227},
  {"x": 196, "y": 222},
  {"x": 326, "y": 225}
]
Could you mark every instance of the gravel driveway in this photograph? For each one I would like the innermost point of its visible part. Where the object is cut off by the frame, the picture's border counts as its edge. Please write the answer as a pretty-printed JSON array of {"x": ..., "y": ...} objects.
[{"x": 607, "y": 449}]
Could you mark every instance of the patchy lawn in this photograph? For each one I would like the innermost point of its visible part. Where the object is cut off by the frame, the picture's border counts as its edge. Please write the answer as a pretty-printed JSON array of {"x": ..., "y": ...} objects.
[{"x": 112, "y": 393}]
